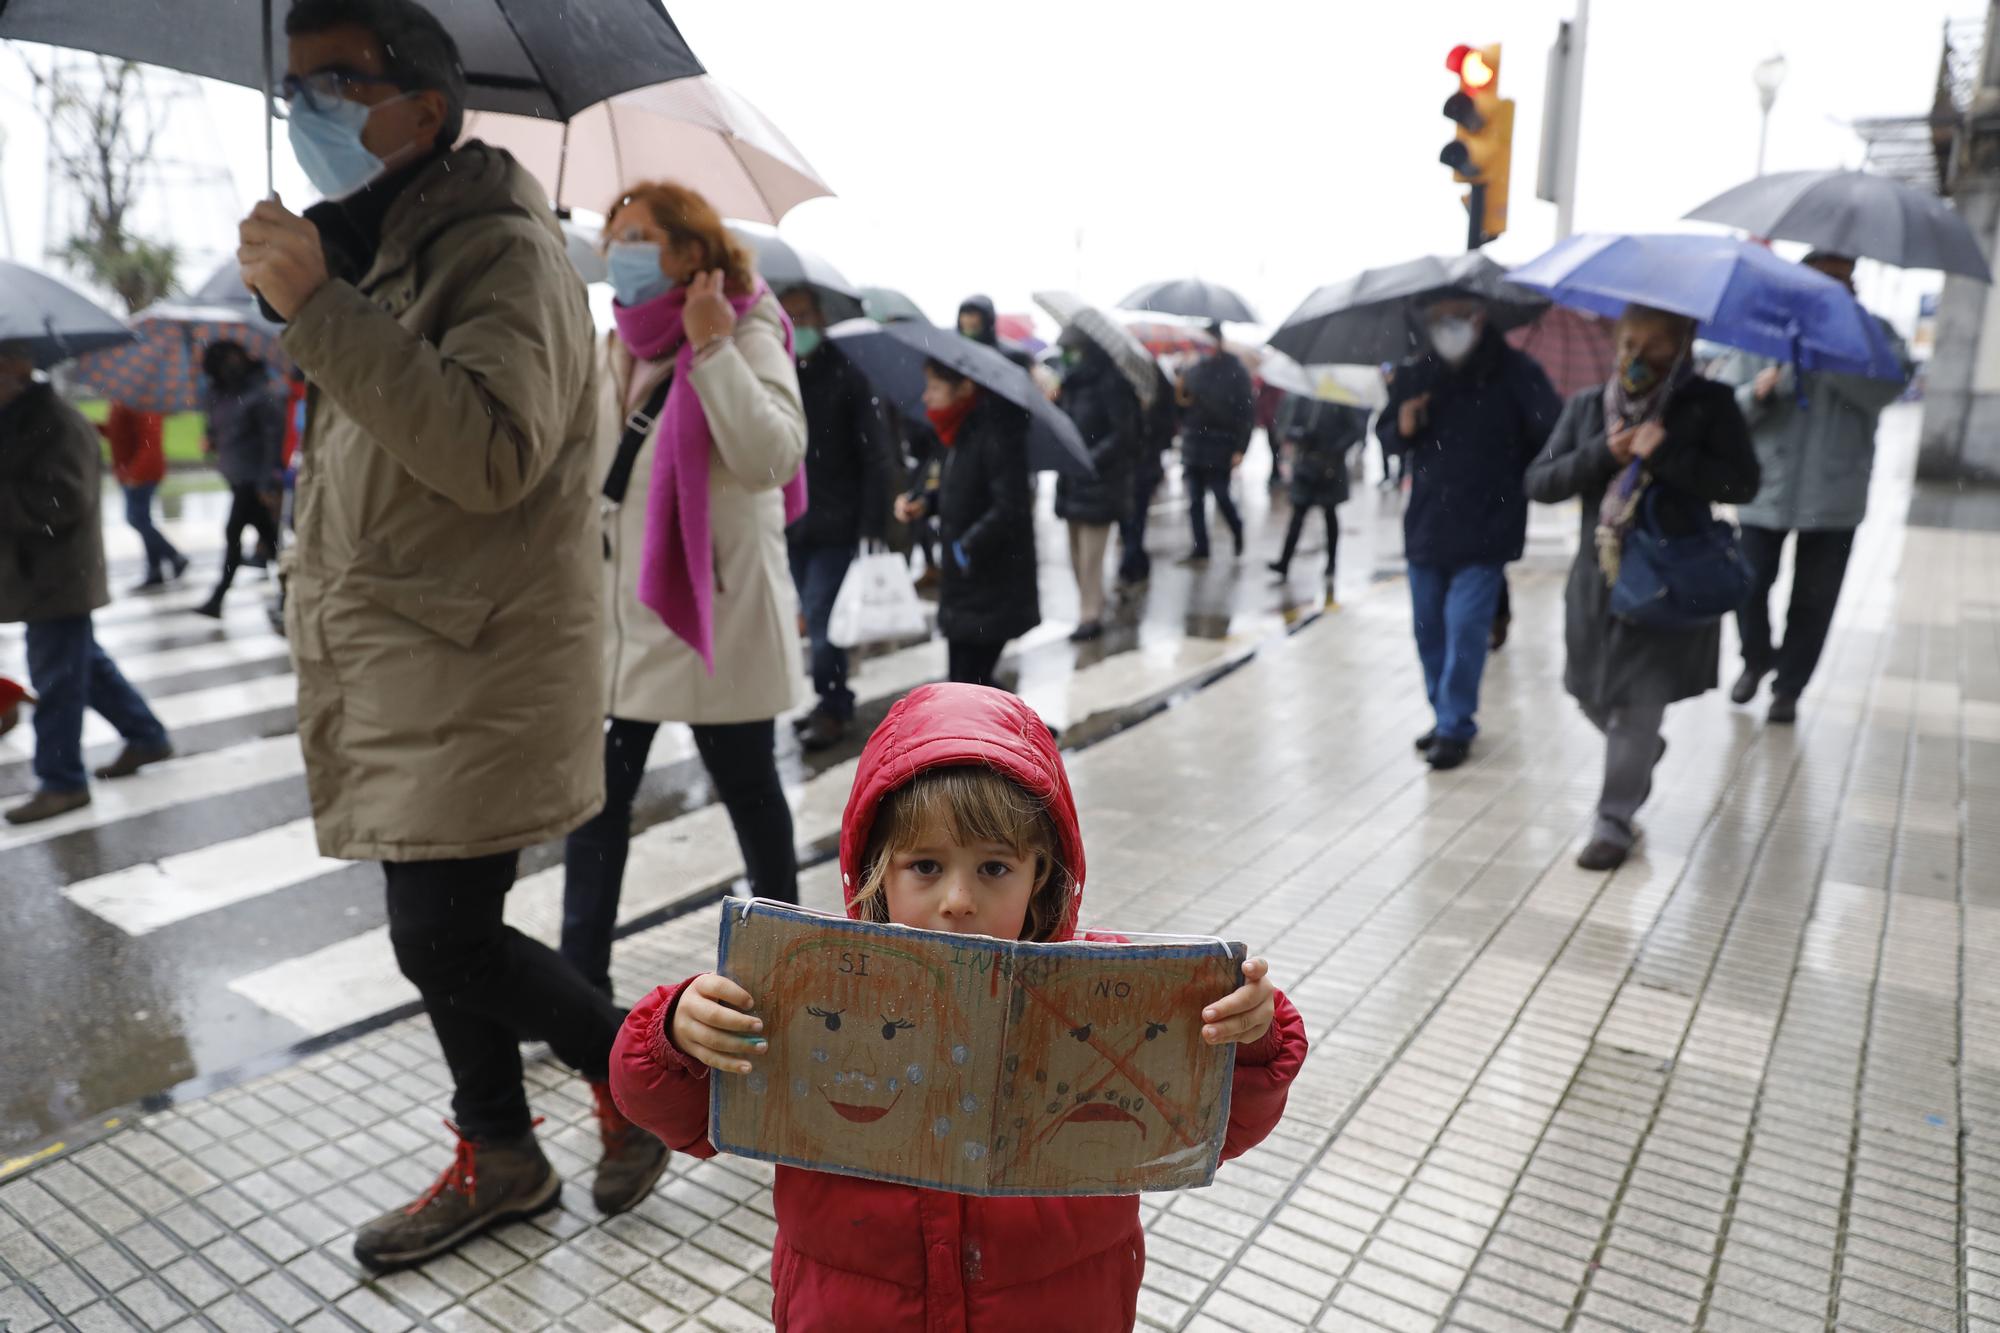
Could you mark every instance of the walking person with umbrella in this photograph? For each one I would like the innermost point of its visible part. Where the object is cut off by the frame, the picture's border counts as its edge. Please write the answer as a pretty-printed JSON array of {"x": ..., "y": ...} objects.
[
  {"x": 849, "y": 457},
  {"x": 1321, "y": 435},
  {"x": 246, "y": 438},
  {"x": 445, "y": 605},
  {"x": 52, "y": 578},
  {"x": 1219, "y": 405},
  {"x": 1655, "y": 445},
  {"x": 984, "y": 509},
  {"x": 1469, "y": 416},
  {"x": 1105, "y": 409},
  {"x": 1815, "y": 437},
  {"x": 139, "y": 462}
]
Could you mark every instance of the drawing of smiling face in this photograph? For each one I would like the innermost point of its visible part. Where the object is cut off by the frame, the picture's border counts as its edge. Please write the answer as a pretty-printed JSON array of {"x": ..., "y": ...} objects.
[{"x": 861, "y": 1046}]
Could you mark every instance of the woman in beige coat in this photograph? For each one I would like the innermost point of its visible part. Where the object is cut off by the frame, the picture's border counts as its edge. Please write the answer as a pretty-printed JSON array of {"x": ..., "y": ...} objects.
[{"x": 702, "y": 623}]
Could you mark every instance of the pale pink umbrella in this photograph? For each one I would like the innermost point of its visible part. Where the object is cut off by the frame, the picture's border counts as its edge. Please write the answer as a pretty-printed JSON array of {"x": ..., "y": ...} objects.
[{"x": 694, "y": 131}]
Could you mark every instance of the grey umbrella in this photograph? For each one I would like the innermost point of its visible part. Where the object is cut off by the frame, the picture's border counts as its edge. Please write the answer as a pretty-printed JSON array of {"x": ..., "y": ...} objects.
[
  {"x": 892, "y": 356},
  {"x": 886, "y": 305},
  {"x": 1370, "y": 318},
  {"x": 786, "y": 266},
  {"x": 525, "y": 57},
  {"x": 1853, "y": 213},
  {"x": 1193, "y": 298},
  {"x": 51, "y": 321},
  {"x": 225, "y": 289},
  {"x": 1127, "y": 353}
]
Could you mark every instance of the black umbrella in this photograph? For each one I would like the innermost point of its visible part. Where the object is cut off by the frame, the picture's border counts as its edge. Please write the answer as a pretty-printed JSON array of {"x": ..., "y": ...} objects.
[
  {"x": 1371, "y": 317},
  {"x": 1193, "y": 298},
  {"x": 525, "y": 57},
  {"x": 892, "y": 356},
  {"x": 786, "y": 266},
  {"x": 1853, "y": 213},
  {"x": 50, "y": 321}
]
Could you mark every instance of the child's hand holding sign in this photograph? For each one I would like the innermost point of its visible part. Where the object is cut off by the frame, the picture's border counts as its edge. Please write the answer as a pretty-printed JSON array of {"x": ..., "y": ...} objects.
[
  {"x": 713, "y": 1024},
  {"x": 1245, "y": 1014}
]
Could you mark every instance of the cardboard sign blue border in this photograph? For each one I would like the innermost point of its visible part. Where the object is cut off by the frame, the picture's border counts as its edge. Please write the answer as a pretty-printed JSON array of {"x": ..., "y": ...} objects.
[{"x": 1146, "y": 948}]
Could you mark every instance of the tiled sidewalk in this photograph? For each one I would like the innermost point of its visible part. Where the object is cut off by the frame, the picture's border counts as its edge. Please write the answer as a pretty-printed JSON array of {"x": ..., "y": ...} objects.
[{"x": 1745, "y": 1082}]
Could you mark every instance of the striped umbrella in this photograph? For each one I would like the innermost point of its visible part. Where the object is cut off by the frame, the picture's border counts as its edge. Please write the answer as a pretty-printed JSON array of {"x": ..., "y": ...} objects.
[
  {"x": 161, "y": 372},
  {"x": 1127, "y": 353}
]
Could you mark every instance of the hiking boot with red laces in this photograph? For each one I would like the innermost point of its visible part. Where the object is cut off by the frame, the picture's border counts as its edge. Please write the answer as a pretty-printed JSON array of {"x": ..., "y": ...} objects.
[
  {"x": 486, "y": 1184},
  {"x": 633, "y": 1161}
]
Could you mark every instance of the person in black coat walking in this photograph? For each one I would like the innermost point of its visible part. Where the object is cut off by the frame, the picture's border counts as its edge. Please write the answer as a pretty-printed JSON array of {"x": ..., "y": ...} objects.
[
  {"x": 1321, "y": 435},
  {"x": 986, "y": 523},
  {"x": 1468, "y": 417},
  {"x": 1659, "y": 427},
  {"x": 1105, "y": 408},
  {"x": 1219, "y": 410},
  {"x": 848, "y": 489},
  {"x": 1157, "y": 428},
  {"x": 246, "y": 436}
]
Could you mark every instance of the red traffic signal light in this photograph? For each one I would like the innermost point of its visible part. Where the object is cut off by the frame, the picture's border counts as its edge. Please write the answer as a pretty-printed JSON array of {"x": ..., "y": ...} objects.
[{"x": 1476, "y": 71}]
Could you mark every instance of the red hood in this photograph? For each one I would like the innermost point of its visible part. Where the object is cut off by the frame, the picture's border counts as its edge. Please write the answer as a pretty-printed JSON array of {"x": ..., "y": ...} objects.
[{"x": 948, "y": 726}]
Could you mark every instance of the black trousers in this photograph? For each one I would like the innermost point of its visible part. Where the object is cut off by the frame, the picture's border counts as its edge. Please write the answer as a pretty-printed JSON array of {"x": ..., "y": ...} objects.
[
  {"x": 1201, "y": 483},
  {"x": 487, "y": 988},
  {"x": 741, "y": 758},
  {"x": 246, "y": 510},
  {"x": 1297, "y": 526},
  {"x": 1819, "y": 566},
  {"x": 973, "y": 663}
]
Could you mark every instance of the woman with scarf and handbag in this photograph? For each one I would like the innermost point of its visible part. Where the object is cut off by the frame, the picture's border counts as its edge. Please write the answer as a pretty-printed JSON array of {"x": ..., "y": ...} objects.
[
  {"x": 702, "y": 440},
  {"x": 1647, "y": 453}
]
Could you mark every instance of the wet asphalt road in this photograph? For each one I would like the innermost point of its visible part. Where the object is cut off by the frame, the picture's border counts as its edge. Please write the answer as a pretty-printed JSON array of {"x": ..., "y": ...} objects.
[{"x": 102, "y": 1017}]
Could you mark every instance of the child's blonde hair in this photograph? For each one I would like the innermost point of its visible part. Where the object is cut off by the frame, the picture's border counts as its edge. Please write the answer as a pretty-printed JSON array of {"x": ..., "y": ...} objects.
[{"x": 973, "y": 804}]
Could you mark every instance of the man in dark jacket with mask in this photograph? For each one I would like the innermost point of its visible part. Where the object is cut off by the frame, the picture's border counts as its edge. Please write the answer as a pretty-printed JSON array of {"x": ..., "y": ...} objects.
[
  {"x": 848, "y": 490},
  {"x": 52, "y": 577},
  {"x": 1468, "y": 417}
]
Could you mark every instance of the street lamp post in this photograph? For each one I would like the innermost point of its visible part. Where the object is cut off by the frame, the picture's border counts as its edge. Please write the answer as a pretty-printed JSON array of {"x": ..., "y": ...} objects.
[{"x": 1769, "y": 73}]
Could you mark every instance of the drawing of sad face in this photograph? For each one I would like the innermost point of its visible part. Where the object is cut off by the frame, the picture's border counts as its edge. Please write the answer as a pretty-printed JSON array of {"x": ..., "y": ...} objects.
[{"x": 1109, "y": 1080}]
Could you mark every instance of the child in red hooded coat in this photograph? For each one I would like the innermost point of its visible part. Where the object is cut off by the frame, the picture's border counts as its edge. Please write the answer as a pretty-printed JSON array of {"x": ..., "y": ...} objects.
[{"x": 961, "y": 819}]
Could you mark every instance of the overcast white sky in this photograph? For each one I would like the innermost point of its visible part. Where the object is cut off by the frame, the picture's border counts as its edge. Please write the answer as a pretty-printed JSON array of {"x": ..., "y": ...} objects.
[{"x": 1274, "y": 145}]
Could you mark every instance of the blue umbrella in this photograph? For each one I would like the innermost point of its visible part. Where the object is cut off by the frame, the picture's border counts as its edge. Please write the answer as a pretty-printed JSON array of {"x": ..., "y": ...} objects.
[
  {"x": 1742, "y": 294},
  {"x": 892, "y": 358},
  {"x": 51, "y": 321}
]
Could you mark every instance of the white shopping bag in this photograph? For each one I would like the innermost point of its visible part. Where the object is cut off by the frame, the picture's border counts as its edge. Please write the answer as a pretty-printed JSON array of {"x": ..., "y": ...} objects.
[{"x": 877, "y": 603}]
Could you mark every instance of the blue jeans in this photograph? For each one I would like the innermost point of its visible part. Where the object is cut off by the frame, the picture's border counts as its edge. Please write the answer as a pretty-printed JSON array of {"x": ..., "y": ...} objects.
[
  {"x": 160, "y": 553},
  {"x": 819, "y": 571},
  {"x": 70, "y": 673},
  {"x": 1453, "y": 612}
]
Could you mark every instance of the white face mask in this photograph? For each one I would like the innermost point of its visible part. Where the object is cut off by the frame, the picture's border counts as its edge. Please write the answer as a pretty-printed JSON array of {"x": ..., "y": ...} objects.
[{"x": 1454, "y": 339}]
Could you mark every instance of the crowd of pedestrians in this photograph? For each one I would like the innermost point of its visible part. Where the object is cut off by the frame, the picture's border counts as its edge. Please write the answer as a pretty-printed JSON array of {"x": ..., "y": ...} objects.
[{"x": 520, "y": 550}]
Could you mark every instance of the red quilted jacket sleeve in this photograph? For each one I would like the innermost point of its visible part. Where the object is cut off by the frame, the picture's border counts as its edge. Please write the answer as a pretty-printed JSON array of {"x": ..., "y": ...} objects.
[
  {"x": 659, "y": 1089},
  {"x": 1264, "y": 1073}
]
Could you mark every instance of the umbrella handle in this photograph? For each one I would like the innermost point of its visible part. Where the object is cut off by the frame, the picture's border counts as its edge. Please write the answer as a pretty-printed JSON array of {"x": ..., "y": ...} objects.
[{"x": 270, "y": 112}]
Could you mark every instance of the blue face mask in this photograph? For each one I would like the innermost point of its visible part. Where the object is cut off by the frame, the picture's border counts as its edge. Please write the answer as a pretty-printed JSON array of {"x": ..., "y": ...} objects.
[
  {"x": 635, "y": 272},
  {"x": 805, "y": 341},
  {"x": 329, "y": 148}
]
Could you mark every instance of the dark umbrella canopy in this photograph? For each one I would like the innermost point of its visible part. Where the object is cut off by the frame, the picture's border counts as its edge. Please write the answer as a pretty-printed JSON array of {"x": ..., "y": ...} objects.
[
  {"x": 1192, "y": 298},
  {"x": 526, "y": 57},
  {"x": 1853, "y": 213},
  {"x": 786, "y": 266},
  {"x": 1371, "y": 317},
  {"x": 50, "y": 320},
  {"x": 892, "y": 356}
]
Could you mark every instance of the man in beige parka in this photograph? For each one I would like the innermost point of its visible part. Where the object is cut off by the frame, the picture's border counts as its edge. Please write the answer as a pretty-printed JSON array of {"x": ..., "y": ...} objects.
[{"x": 442, "y": 599}]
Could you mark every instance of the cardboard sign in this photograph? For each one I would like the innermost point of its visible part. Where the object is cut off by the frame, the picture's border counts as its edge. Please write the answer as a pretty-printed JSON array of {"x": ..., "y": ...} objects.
[{"x": 981, "y": 1066}]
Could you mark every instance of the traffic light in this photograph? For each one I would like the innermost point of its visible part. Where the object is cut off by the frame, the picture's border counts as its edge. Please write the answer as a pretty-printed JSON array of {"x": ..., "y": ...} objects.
[{"x": 1481, "y": 152}]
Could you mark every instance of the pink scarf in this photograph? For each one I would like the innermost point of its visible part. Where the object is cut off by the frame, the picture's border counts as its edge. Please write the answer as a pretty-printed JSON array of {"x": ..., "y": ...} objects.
[{"x": 677, "y": 558}]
